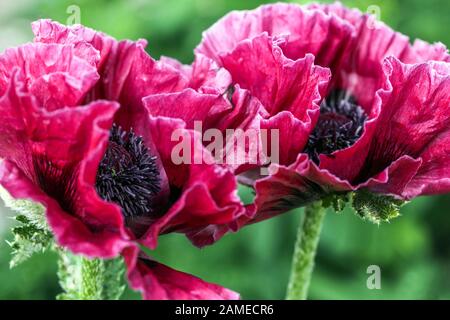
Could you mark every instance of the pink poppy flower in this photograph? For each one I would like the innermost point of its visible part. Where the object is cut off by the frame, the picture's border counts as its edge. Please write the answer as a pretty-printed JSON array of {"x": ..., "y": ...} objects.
[
  {"x": 76, "y": 138},
  {"x": 383, "y": 123}
]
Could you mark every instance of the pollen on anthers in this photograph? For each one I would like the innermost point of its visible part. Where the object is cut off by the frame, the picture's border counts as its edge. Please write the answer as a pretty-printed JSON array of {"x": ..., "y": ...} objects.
[
  {"x": 128, "y": 174},
  {"x": 340, "y": 125}
]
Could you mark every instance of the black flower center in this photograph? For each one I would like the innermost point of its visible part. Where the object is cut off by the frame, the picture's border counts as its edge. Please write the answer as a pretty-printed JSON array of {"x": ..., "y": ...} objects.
[
  {"x": 340, "y": 125},
  {"x": 128, "y": 174}
]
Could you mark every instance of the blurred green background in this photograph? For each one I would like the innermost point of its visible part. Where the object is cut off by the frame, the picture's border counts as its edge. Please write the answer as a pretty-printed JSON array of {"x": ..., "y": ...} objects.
[{"x": 412, "y": 251}]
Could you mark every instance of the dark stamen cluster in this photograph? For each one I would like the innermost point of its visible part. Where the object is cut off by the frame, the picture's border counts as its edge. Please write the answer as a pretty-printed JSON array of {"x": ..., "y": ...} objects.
[
  {"x": 340, "y": 125},
  {"x": 128, "y": 174}
]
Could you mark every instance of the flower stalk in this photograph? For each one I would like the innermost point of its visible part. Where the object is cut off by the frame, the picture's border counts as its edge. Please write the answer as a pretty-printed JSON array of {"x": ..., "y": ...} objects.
[
  {"x": 89, "y": 279},
  {"x": 92, "y": 274},
  {"x": 305, "y": 251}
]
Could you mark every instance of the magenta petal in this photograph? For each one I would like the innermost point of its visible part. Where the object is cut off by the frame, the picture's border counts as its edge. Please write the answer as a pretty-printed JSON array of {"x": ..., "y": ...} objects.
[
  {"x": 307, "y": 31},
  {"x": 278, "y": 82},
  {"x": 376, "y": 40},
  {"x": 54, "y": 74},
  {"x": 421, "y": 51},
  {"x": 353, "y": 16},
  {"x": 338, "y": 163},
  {"x": 212, "y": 110},
  {"x": 204, "y": 75},
  {"x": 303, "y": 182},
  {"x": 53, "y": 161},
  {"x": 282, "y": 191},
  {"x": 202, "y": 111},
  {"x": 413, "y": 113},
  {"x": 243, "y": 111},
  {"x": 208, "y": 194},
  {"x": 292, "y": 134},
  {"x": 405, "y": 138},
  {"x": 159, "y": 282},
  {"x": 69, "y": 231},
  {"x": 127, "y": 72},
  {"x": 52, "y": 158},
  {"x": 362, "y": 72},
  {"x": 48, "y": 31},
  {"x": 398, "y": 176},
  {"x": 418, "y": 105},
  {"x": 57, "y": 133},
  {"x": 135, "y": 75},
  {"x": 433, "y": 177},
  {"x": 188, "y": 105},
  {"x": 292, "y": 186}
]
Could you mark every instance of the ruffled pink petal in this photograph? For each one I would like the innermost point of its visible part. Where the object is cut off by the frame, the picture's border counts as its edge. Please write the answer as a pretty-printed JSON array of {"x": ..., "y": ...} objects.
[
  {"x": 422, "y": 51},
  {"x": 159, "y": 282},
  {"x": 48, "y": 31},
  {"x": 414, "y": 120},
  {"x": 413, "y": 112},
  {"x": 405, "y": 137},
  {"x": 433, "y": 177},
  {"x": 278, "y": 82},
  {"x": 292, "y": 134},
  {"x": 289, "y": 187},
  {"x": 54, "y": 74},
  {"x": 189, "y": 106},
  {"x": 282, "y": 191},
  {"x": 353, "y": 16},
  {"x": 207, "y": 191},
  {"x": 127, "y": 72},
  {"x": 361, "y": 73},
  {"x": 351, "y": 164},
  {"x": 24, "y": 122},
  {"x": 52, "y": 158},
  {"x": 397, "y": 177},
  {"x": 203, "y": 111},
  {"x": 289, "y": 90},
  {"x": 212, "y": 110},
  {"x": 70, "y": 231},
  {"x": 204, "y": 75},
  {"x": 17, "y": 108},
  {"x": 408, "y": 117},
  {"x": 242, "y": 123},
  {"x": 304, "y": 182},
  {"x": 140, "y": 76},
  {"x": 243, "y": 111},
  {"x": 308, "y": 31}
]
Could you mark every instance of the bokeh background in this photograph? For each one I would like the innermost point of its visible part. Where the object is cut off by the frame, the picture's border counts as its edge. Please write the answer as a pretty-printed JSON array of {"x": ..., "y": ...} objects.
[{"x": 412, "y": 251}]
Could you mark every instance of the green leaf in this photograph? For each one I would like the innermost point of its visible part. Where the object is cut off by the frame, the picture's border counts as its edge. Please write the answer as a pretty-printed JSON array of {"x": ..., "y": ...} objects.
[
  {"x": 31, "y": 234},
  {"x": 34, "y": 212},
  {"x": 28, "y": 240}
]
